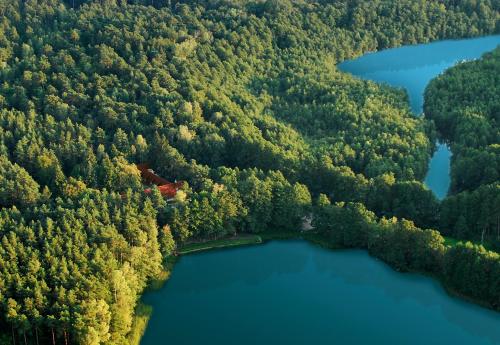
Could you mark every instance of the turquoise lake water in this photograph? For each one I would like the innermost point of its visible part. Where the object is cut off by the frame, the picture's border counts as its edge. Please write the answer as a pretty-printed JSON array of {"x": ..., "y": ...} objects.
[
  {"x": 412, "y": 67},
  {"x": 292, "y": 292}
]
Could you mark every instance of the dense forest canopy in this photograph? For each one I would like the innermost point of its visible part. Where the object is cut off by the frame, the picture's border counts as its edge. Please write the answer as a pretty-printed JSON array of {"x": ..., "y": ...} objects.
[
  {"x": 464, "y": 103},
  {"x": 240, "y": 99}
]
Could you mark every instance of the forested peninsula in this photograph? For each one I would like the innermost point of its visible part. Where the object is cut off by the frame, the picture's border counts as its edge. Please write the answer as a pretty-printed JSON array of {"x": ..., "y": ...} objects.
[
  {"x": 464, "y": 103},
  {"x": 243, "y": 103}
]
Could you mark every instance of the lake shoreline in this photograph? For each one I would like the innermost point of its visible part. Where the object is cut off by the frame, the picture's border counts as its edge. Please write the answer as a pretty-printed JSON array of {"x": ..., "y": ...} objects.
[
  {"x": 322, "y": 242},
  {"x": 144, "y": 311},
  {"x": 318, "y": 240},
  {"x": 233, "y": 241},
  {"x": 141, "y": 320}
]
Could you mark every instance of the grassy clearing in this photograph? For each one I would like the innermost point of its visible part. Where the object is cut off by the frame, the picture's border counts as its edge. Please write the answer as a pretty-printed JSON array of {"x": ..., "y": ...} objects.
[{"x": 239, "y": 240}]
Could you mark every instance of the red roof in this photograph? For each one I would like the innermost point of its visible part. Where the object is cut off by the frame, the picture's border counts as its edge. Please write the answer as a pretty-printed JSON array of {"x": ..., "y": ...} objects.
[
  {"x": 166, "y": 188},
  {"x": 149, "y": 175}
]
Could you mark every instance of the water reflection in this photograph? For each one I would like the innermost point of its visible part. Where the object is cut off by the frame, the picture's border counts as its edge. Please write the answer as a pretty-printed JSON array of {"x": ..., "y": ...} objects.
[
  {"x": 250, "y": 266},
  {"x": 294, "y": 293},
  {"x": 363, "y": 271},
  {"x": 291, "y": 292},
  {"x": 438, "y": 176}
]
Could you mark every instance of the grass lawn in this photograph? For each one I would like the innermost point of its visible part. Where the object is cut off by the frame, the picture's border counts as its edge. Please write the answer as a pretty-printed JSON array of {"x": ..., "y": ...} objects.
[{"x": 239, "y": 240}]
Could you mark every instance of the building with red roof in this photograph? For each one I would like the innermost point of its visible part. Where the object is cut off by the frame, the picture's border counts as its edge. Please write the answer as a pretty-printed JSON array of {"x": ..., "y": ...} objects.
[{"x": 167, "y": 189}]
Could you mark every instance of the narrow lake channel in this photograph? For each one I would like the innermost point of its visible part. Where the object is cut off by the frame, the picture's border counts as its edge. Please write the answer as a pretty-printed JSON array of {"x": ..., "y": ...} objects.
[
  {"x": 412, "y": 68},
  {"x": 292, "y": 292}
]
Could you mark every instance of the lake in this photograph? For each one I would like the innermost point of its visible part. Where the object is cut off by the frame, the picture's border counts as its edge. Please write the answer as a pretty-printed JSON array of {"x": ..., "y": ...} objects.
[
  {"x": 293, "y": 292},
  {"x": 412, "y": 67}
]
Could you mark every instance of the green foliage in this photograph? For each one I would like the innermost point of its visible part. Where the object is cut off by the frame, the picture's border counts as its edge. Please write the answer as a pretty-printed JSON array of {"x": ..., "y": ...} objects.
[
  {"x": 142, "y": 314},
  {"x": 468, "y": 270},
  {"x": 464, "y": 104},
  {"x": 474, "y": 271},
  {"x": 166, "y": 241},
  {"x": 241, "y": 99},
  {"x": 222, "y": 243},
  {"x": 473, "y": 215},
  {"x": 17, "y": 187},
  {"x": 78, "y": 265}
]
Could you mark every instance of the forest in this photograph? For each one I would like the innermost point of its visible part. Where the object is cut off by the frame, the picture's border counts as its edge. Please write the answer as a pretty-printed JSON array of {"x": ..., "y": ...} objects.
[
  {"x": 466, "y": 269},
  {"x": 243, "y": 101},
  {"x": 464, "y": 104}
]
